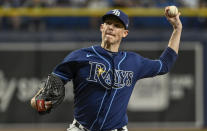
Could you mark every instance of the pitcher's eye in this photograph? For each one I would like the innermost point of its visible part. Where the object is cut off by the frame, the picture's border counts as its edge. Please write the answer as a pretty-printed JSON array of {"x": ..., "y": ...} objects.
[
  {"x": 118, "y": 25},
  {"x": 108, "y": 22}
]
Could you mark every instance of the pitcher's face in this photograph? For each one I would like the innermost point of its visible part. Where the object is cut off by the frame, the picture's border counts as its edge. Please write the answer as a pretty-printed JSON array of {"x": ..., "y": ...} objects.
[{"x": 113, "y": 30}]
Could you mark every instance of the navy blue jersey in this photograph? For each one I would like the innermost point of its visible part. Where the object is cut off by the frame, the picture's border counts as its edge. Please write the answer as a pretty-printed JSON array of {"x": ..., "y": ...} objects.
[{"x": 103, "y": 83}]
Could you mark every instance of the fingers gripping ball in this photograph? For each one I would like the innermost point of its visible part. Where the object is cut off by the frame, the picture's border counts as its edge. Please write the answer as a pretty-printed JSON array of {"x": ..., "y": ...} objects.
[{"x": 172, "y": 11}]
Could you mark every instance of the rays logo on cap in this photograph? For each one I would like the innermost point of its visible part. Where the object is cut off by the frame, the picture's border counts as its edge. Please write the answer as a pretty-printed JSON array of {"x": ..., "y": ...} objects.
[
  {"x": 120, "y": 15},
  {"x": 116, "y": 12}
]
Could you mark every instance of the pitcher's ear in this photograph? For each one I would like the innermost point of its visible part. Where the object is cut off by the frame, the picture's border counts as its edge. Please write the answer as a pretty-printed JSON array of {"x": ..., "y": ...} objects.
[{"x": 125, "y": 33}]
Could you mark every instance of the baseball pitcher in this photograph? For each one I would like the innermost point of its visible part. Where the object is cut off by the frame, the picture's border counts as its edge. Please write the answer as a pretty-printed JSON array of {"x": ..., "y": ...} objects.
[{"x": 104, "y": 77}]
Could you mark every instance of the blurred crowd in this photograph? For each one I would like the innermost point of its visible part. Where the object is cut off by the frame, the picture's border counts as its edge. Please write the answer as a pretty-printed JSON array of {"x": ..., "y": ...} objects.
[
  {"x": 38, "y": 24},
  {"x": 99, "y": 3}
]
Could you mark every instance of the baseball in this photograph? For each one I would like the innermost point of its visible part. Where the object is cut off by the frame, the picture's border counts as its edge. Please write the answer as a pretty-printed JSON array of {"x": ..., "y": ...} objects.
[{"x": 172, "y": 11}]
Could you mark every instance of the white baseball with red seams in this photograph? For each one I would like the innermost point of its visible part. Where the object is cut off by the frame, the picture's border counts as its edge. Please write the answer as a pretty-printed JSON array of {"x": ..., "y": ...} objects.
[{"x": 172, "y": 11}]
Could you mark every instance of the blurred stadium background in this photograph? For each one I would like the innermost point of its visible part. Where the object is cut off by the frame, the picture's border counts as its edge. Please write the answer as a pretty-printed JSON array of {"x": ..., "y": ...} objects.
[{"x": 35, "y": 35}]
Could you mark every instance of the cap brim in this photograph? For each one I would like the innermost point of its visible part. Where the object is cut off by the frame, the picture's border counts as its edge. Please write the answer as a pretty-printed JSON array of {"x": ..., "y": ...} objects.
[{"x": 108, "y": 15}]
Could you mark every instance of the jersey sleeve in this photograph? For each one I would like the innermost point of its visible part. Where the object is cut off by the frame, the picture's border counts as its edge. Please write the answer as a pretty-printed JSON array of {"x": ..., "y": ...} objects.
[
  {"x": 65, "y": 70},
  {"x": 150, "y": 68}
]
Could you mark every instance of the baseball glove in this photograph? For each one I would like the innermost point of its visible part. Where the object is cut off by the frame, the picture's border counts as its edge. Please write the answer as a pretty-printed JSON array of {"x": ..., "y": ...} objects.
[{"x": 52, "y": 92}]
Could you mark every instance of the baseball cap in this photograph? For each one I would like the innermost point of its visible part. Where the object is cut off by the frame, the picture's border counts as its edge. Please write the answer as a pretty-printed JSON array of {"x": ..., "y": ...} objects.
[{"x": 118, "y": 14}]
